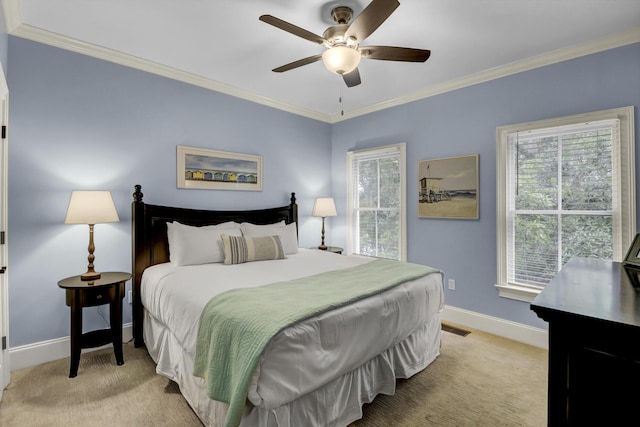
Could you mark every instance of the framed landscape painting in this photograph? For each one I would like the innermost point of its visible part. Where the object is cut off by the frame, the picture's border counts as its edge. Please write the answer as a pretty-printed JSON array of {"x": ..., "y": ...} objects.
[
  {"x": 448, "y": 187},
  {"x": 218, "y": 170}
]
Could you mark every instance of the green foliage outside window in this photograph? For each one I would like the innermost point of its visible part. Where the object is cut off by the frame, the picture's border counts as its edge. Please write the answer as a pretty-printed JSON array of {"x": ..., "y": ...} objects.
[
  {"x": 563, "y": 198},
  {"x": 378, "y": 211}
]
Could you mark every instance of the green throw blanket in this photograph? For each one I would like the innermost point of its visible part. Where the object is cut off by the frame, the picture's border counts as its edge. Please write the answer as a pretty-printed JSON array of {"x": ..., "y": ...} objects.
[{"x": 236, "y": 325}]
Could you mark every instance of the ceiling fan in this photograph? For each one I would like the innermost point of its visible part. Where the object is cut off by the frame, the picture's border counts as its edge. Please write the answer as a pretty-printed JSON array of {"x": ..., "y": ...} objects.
[{"x": 343, "y": 40}]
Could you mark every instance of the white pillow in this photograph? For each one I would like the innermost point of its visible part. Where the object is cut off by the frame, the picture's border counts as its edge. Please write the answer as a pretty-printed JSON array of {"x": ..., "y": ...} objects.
[
  {"x": 190, "y": 245},
  {"x": 258, "y": 226},
  {"x": 288, "y": 234},
  {"x": 173, "y": 225}
]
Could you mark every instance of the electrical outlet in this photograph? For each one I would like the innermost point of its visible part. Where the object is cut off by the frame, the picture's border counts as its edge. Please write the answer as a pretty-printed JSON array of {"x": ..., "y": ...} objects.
[
  {"x": 130, "y": 296},
  {"x": 452, "y": 285}
]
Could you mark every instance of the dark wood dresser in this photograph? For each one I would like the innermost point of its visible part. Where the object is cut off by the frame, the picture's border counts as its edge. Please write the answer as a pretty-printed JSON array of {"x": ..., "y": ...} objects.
[{"x": 593, "y": 311}]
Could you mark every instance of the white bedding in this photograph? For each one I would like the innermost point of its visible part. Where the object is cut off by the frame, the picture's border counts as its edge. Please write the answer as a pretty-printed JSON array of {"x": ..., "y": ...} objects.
[{"x": 396, "y": 333}]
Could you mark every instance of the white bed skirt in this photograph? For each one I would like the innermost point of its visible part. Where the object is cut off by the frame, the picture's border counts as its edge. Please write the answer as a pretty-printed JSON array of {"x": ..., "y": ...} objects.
[{"x": 337, "y": 403}]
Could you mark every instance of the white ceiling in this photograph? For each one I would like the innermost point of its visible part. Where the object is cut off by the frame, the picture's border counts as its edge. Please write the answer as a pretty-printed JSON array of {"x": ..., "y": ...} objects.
[{"x": 221, "y": 44}]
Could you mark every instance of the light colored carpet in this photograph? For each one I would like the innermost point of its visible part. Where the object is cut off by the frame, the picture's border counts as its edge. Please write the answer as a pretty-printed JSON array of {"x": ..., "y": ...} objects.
[{"x": 478, "y": 380}]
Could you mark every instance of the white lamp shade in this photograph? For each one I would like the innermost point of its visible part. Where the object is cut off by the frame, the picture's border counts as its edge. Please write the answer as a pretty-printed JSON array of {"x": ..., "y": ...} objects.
[
  {"x": 91, "y": 207},
  {"x": 324, "y": 206},
  {"x": 341, "y": 59}
]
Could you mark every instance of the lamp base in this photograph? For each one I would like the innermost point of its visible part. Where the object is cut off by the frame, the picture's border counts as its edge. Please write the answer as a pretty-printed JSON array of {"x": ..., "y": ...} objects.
[
  {"x": 322, "y": 247},
  {"x": 90, "y": 275}
]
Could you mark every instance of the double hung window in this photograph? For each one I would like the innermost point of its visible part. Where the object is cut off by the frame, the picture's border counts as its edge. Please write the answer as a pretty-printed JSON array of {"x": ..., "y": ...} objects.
[
  {"x": 566, "y": 188},
  {"x": 376, "y": 202}
]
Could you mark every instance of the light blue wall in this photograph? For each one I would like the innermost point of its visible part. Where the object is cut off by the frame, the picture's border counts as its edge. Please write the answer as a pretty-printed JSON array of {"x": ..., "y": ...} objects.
[
  {"x": 82, "y": 123},
  {"x": 464, "y": 122}
]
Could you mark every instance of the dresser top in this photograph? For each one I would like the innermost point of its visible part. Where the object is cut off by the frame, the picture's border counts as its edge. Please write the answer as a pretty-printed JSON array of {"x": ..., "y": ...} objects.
[{"x": 591, "y": 288}]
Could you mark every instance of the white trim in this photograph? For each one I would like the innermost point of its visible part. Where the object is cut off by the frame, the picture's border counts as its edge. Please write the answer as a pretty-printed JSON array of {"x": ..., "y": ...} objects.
[
  {"x": 517, "y": 292},
  {"x": 401, "y": 150},
  {"x": 504, "y": 328},
  {"x": 626, "y": 178},
  {"x": 47, "y": 351},
  {"x": 57, "y": 40},
  {"x": 404, "y": 251},
  {"x": 12, "y": 14},
  {"x": 16, "y": 27},
  {"x": 560, "y": 55},
  {"x": 37, "y": 353},
  {"x": 349, "y": 184},
  {"x": 5, "y": 359}
]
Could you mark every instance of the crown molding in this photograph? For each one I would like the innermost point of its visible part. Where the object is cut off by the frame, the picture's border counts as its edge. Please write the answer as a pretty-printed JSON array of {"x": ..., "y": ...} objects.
[
  {"x": 15, "y": 27},
  {"x": 57, "y": 40},
  {"x": 560, "y": 55},
  {"x": 12, "y": 14}
]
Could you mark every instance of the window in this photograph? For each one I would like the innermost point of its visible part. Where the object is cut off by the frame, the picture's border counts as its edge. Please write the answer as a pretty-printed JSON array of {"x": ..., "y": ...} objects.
[
  {"x": 376, "y": 202},
  {"x": 566, "y": 187}
]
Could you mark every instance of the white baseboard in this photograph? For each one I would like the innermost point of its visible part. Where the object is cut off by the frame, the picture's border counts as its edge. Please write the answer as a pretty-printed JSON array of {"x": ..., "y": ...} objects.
[
  {"x": 47, "y": 351},
  {"x": 28, "y": 355},
  {"x": 496, "y": 326}
]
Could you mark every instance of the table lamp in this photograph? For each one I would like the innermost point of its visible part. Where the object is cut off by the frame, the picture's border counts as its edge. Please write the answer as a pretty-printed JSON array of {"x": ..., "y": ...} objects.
[
  {"x": 91, "y": 207},
  {"x": 324, "y": 207}
]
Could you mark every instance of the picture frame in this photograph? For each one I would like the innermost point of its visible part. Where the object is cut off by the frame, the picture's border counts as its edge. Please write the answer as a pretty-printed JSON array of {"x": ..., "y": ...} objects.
[
  {"x": 633, "y": 274},
  {"x": 448, "y": 187},
  {"x": 632, "y": 259},
  {"x": 201, "y": 168}
]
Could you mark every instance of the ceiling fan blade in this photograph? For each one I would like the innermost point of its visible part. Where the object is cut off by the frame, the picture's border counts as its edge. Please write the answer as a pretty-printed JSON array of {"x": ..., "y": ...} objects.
[
  {"x": 371, "y": 18},
  {"x": 392, "y": 53},
  {"x": 352, "y": 79},
  {"x": 290, "y": 28},
  {"x": 298, "y": 63}
]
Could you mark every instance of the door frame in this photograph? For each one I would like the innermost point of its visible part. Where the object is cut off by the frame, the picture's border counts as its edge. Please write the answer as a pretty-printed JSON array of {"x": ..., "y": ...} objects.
[{"x": 5, "y": 368}]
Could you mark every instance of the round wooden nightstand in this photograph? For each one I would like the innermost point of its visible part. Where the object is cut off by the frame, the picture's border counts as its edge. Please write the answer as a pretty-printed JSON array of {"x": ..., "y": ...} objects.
[{"x": 108, "y": 289}]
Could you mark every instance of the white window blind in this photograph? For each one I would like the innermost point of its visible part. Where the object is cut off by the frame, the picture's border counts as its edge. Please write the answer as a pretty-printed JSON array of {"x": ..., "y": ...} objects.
[
  {"x": 562, "y": 198},
  {"x": 376, "y": 202},
  {"x": 565, "y": 188}
]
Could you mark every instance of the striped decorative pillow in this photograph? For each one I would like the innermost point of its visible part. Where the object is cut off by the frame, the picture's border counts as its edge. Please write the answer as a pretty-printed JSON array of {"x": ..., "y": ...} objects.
[{"x": 238, "y": 250}]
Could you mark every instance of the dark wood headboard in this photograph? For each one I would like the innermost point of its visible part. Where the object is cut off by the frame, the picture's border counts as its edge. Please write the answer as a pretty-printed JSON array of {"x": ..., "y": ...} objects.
[{"x": 149, "y": 244}]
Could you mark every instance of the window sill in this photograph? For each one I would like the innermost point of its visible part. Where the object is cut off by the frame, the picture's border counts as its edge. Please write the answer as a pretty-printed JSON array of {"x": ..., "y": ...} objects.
[{"x": 520, "y": 293}]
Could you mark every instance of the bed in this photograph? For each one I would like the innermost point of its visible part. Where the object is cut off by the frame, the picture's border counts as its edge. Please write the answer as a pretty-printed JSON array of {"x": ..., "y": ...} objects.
[{"x": 317, "y": 371}]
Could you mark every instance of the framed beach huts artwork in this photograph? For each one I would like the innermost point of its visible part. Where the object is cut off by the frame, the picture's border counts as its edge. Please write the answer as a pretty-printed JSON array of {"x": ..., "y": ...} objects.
[
  {"x": 218, "y": 170},
  {"x": 448, "y": 187}
]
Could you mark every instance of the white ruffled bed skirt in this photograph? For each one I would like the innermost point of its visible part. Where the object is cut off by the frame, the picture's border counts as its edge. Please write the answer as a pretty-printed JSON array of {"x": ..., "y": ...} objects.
[{"x": 337, "y": 403}]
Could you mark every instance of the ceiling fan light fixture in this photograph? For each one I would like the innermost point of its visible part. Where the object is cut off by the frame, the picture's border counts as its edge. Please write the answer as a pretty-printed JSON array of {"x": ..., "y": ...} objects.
[
  {"x": 343, "y": 41},
  {"x": 341, "y": 59}
]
